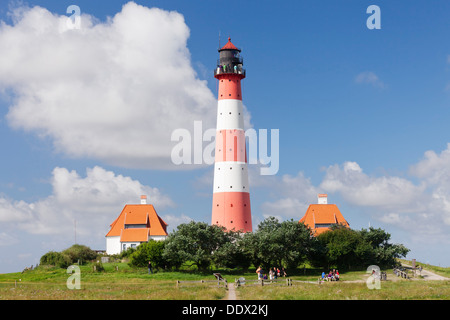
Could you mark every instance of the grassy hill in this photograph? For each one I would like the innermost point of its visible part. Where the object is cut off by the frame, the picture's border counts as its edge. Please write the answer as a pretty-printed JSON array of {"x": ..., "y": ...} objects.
[{"x": 119, "y": 281}]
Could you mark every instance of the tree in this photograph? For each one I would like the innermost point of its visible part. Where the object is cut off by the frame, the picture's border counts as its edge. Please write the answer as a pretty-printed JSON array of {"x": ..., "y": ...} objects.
[
  {"x": 231, "y": 253},
  {"x": 194, "y": 242},
  {"x": 383, "y": 252},
  {"x": 344, "y": 247},
  {"x": 148, "y": 251},
  {"x": 278, "y": 244},
  {"x": 80, "y": 253}
]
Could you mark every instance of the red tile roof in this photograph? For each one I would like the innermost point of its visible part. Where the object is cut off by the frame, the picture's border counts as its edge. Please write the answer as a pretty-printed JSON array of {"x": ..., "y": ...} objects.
[
  {"x": 324, "y": 214},
  {"x": 135, "y": 235},
  {"x": 138, "y": 214}
]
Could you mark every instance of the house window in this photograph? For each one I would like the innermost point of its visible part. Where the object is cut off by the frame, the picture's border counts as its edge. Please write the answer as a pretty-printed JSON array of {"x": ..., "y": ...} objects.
[
  {"x": 323, "y": 225},
  {"x": 134, "y": 226},
  {"x": 124, "y": 246}
]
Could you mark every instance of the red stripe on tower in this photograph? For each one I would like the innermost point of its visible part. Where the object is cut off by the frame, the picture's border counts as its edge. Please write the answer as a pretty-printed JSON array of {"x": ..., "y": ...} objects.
[{"x": 231, "y": 197}]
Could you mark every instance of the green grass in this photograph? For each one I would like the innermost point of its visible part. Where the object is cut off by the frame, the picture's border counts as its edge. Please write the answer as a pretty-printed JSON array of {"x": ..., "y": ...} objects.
[
  {"x": 128, "y": 283},
  {"x": 390, "y": 290}
]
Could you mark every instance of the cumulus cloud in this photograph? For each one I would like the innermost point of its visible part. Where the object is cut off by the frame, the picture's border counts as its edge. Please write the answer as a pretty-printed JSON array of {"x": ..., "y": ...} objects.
[
  {"x": 293, "y": 195},
  {"x": 360, "y": 189},
  {"x": 94, "y": 201},
  {"x": 434, "y": 170},
  {"x": 418, "y": 202},
  {"x": 368, "y": 77},
  {"x": 112, "y": 91}
]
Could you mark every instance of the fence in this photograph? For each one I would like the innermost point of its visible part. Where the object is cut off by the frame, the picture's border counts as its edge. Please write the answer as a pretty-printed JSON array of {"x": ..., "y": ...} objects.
[
  {"x": 220, "y": 283},
  {"x": 401, "y": 272},
  {"x": 263, "y": 282}
]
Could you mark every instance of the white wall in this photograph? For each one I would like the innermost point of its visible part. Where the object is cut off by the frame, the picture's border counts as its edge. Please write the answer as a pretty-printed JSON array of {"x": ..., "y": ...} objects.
[{"x": 113, "y": 245}]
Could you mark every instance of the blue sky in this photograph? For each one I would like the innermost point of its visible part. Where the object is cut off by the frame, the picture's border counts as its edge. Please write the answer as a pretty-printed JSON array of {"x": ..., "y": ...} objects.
[{"x": 362, "y": 115}]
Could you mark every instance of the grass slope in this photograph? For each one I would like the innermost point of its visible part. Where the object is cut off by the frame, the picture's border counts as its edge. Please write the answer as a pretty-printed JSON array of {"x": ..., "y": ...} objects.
[{"x": 136, "y": 284}]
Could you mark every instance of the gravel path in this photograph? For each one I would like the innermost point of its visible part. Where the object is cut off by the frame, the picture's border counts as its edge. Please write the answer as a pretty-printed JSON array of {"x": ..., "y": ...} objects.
[
  {"x": 231, "y": 292},
  {"x": 427, "y": 275}
]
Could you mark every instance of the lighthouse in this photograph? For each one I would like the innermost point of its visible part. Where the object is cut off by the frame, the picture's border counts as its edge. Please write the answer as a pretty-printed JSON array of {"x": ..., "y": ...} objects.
[{"x": 231, "y": 197}]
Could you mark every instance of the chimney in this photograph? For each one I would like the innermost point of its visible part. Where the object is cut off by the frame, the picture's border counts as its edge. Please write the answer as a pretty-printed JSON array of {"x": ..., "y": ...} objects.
[
  {"x": 322, "y": 198},
  {"x": 143, "y": 199}
]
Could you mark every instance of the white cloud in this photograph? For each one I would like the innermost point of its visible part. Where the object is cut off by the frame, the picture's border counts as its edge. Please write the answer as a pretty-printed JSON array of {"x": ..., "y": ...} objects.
[
  {"x": 419, "y": 203},
  {"x": 93, "y": 202},
  {"x": 174, "y": 220},
  {"x": 369, "y": 77},
  {"x": 112, "y": 91},
  {"x": 360, "y": 189},
  {"x": 293, "y": 194},
  {"x": 434, "y": 170}
]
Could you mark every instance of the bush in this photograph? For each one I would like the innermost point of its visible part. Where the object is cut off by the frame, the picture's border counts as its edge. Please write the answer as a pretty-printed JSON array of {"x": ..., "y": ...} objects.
[
  {"x": 56, "y": 259},
  {"x": 69, "y": 256},
  {"x": 98, "y": 266},
  {"x": 148, "y": 251},
  {"x": 80, "y": 253}
]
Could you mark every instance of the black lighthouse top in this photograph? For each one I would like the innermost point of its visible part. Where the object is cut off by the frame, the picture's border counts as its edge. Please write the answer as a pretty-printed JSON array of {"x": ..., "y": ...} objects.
[{"x": 230, "y": 60}]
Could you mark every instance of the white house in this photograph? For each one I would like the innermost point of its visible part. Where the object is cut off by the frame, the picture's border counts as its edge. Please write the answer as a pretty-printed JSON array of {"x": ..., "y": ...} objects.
[{"x": 137, "y": 223}]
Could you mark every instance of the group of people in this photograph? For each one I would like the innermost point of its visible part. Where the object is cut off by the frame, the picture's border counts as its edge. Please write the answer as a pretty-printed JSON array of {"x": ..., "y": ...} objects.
[
  {"x": 333, "y": 275},
  {"x": 228, "y": 69},
  {"x": 273, "y": 273}
]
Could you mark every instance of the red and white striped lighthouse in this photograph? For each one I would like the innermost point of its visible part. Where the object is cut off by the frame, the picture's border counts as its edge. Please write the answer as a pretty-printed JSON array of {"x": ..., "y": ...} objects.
[{"x": 231, "y": 197}]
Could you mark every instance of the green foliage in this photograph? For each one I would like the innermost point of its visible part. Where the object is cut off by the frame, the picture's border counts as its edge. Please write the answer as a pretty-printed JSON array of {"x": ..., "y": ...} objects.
[
  {"x": 57, "y": 259},
  {"x": 80, "y": 253},
  {"x": 283, "y": 244},
  {"x": 98, "y": 266},
  {"x": 232, "y": 253},
  {"x": 278, "y": 244},
  {"x": 149, "y": 251},
  {"x": 74, "y": 254},
  {"x": 196, "y": 242},
  {"x": 383, "y": 252},
  {"x": 343, "y": 247}
]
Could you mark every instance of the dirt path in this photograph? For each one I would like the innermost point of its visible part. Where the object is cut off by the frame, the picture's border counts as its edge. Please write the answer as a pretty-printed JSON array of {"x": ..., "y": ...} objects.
[
  {"x": 427, "y": 275},
  {"x": 231, "y": 295}
]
